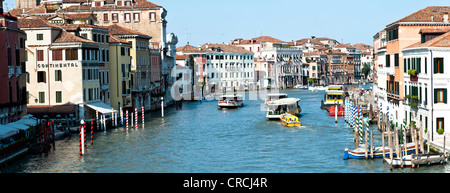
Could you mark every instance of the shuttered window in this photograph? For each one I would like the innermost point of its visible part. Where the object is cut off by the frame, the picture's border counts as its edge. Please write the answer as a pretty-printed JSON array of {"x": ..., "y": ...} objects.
[
  {"x": 440, "y": 96},
  {"x": 438, "y": 65}
]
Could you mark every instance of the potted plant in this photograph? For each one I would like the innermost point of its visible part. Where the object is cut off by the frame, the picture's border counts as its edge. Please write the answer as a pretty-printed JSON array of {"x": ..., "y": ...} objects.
[{"x": 440, "y": 131}]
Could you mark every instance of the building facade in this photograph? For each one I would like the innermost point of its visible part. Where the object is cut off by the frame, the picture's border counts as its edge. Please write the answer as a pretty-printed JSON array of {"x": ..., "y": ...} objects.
[
  {"x": 63, "y": 69},
  {"x": 12, "y": 70}
]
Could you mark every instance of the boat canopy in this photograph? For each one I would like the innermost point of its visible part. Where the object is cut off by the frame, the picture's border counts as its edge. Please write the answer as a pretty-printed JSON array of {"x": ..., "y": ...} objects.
[
  {"x": 230, "y": 97},
  {"x": 285, "y": 101},
  {"x": 335, "y": 92},
  {"x": 335, "y": 87}
]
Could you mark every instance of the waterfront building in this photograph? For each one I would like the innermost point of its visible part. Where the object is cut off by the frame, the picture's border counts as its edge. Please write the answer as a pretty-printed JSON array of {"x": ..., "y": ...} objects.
[
  {"x": 12, "y": 71},
  {"x": 99, "y": 35},
  {"x": 426, "y": 79},
  {"x": 340, "y": 67},
  {"x": 140, "y": 64},
  {"x": 401, "y": 34},
  {"x": 63, "y": 71},
  {"x": 286, "y": 60},
  {"x": 227, "y": 68},
  {"x": 120, "y": 69}
]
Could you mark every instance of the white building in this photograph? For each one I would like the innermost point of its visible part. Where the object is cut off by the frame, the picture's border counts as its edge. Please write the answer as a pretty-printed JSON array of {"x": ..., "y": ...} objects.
[
  {"x": 228, "y": 67},
  {"x": 286, "y": 61},
  {"x": 426, "y": 92}
]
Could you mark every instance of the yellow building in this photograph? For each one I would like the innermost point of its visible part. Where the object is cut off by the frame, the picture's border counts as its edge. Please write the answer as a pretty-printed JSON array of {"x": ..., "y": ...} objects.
[
  {"x": 119, "y": 67},
  {"x": 140, "y": 64}
]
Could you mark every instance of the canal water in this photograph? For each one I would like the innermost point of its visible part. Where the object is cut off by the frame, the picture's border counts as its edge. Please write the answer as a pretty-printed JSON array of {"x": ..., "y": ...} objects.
[{"x": 201, "y": 138}]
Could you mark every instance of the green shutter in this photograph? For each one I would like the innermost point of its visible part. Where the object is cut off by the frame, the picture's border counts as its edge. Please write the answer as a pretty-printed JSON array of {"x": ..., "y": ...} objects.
[
  {"x": 445, "y": 96},
  {"x": 435, "y": 95},
  {"x": 425, "y": 65},
  {"x": 404, "y": 65},
  {"x": 442, "y": 65},
  {"x": 435, "y": 62}
]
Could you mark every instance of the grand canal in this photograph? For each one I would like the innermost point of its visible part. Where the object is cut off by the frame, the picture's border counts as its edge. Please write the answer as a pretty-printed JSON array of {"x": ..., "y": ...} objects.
[{"x": 202, "y": 138}]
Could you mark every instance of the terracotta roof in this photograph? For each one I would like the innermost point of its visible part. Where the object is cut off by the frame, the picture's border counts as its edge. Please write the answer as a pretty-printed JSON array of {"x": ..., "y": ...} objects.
[
  {"x": 182, "y": 57},
  {"x": 440, "y": 41},
  {"x": 139, "y": 4},
  {"x": 120, "y": 30},
  {"x": 344, "y": 46},
  {"x": 435, "y": 29},
  {"x": 428, "y": 14},
  {"x": 34, "y": 23},
  {"x": 65, "y": 37},
  {"x": 17, "y": 12},
  {"x": 361, "y": 46},
  {"x": 257, "y": 40},
  {"x": 224, "y": 48},
  {"x": 114, "y": 39},
  {"x": 312, "y": 41},
  {"x": 188, "y": 48},
  {"x": 267, "y": 39},
  {"x": 79, "y": 16}
]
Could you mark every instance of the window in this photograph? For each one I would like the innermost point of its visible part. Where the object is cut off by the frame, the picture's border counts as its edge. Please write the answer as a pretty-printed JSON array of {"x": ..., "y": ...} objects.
[
  {"x": 122, "y": 51},
  {"x": 136, "y": 17},
  {"x": 105, "y": 17},
  {"x": 439, "y": 123},
  {"x": 84, "y": 35},
  {"x": 396, "y": 61},
  {"x": 56, "y": 55},
  {"x": 71, "y": 54},
  {"x": 41, "y": 76},
  {"x": 115, "y": 17},
  {"x": 438, "y": 65},
  {"x": 127, "y": 17},
  {"x": 58, "y": 75},
  {"x": 39, "y": 36},
  {"x": 58, "y": 96},
  {"x": 440, "y": 96},
  {"x": 40, "y": 55},
  {"x": 388, "y": 60},
  {"x": 41, "y": 97},
  {"x": 152, "y": 16}
]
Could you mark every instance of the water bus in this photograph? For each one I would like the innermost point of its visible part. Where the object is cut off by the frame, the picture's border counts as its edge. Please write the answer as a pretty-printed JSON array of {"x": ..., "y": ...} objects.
[
  {"x": 230, "y": 101},
  {"x": 287, "y": 105},
  {"x": 334, "y": 94},
  {"x": 275, "y": 96}
]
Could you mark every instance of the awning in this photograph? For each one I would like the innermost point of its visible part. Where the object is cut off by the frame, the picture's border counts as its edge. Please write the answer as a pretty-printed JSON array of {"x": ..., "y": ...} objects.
[
  {"x": 6, "y": 131},
  {"x": 18, "y": 125},
  {"x": 101, "y": 107}
]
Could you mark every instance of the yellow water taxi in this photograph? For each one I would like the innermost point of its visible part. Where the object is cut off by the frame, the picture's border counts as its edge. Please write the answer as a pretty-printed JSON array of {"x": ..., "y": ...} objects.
[{"x": 290, "y": 120}]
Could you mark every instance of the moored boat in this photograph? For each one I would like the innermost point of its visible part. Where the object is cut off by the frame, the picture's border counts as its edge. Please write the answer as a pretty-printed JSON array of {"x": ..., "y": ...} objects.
[
  {"x": 334, "y": 95},
  {"x": 287, "y": 105},
  {"x": 230, "y": 101},
  {"x": 290, "y": 120},
  {"x": 332, "y": 111},
  {"x": 360, "y": 152}
]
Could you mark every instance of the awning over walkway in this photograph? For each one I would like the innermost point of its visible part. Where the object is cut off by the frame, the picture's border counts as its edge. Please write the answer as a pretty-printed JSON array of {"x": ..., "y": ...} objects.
[
  {"x": 6, "y": 131},
  {"x": 101, "y": 107}
]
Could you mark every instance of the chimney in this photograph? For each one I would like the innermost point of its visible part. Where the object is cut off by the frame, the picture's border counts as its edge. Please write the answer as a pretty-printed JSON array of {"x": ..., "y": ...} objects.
[{"x": 445, "y": 16}]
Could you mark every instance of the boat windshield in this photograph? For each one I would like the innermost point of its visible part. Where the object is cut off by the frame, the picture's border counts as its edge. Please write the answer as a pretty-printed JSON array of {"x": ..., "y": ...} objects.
[{"x": 335, "y": 97}]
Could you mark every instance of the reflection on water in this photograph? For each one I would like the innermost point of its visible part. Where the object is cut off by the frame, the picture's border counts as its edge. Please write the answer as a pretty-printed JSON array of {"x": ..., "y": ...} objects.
[{"x": 202, "y": 138}]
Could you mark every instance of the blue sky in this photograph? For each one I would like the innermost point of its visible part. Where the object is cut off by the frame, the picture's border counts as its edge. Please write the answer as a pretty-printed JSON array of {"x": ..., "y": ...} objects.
[{"x": 348, "y": 21}]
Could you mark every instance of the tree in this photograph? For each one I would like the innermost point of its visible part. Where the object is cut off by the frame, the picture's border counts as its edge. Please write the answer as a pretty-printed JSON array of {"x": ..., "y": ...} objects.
[{"x": 366, "y": 70}]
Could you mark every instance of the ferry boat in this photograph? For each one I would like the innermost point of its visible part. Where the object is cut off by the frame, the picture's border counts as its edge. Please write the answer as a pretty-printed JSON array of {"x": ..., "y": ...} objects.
[
  {"x": 275, "y": 96},
  {"x": 334, "y": 94},
  {"x": 290, "y": 120},
  {"x": 230, "y": 101},
  {"x": 287, "y": 105}
]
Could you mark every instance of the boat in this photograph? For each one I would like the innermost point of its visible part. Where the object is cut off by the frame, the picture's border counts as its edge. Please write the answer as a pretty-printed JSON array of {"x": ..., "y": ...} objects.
[
  {"x": 316, "y": 88},
  {"x": 230, "y": 101},
  {"x": 417, "y": 160},
  {"x": 360, "y": 152},
  {"x": 275, "y": 96},
  {"x": 287, "y": 105},
  {"x": 290, "y": 120},
  {"x": 332, "y": 111},
  {"x": 301, "y": 87},
  {"x": 334, "y": 94}
]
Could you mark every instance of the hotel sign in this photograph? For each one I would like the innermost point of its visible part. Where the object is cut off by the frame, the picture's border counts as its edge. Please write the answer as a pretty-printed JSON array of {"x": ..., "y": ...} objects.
[{"x": 59, "y": 65}]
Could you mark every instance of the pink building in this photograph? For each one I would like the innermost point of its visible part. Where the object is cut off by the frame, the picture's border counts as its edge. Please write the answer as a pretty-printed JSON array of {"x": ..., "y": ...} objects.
[{"x": 13, "y": 97}]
